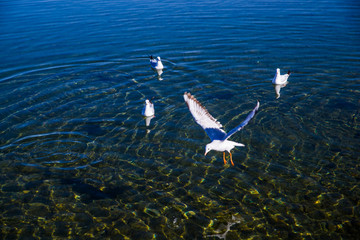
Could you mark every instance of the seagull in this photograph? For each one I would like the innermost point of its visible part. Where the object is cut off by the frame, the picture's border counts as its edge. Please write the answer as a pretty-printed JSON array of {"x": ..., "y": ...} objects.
[
  {"x": 156, "y": 63},
  {"x": 148, "y": 110},
  {"x": 280, "y": 79},
  {"x": 213, "y": 128}
]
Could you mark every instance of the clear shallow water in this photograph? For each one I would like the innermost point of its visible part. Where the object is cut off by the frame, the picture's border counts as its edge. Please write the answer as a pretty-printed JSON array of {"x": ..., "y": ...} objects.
[{"x": 78, "y": 161}]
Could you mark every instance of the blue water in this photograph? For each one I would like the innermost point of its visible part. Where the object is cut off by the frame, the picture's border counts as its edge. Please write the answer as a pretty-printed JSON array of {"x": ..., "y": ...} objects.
[{"x": 78, "y": 161}]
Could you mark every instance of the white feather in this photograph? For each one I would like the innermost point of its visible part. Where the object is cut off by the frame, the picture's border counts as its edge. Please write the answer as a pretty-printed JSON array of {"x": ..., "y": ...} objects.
[
  {"x": 156, "y": 63},
  {"x": 148, "y": 109},
  {"x": 200, "y": 114},
  {"x": 280, "y": 79}
]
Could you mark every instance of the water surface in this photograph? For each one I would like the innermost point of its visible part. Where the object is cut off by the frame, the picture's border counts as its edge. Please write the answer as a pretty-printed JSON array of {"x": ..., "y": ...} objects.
[{"x": 77, "y": 160}]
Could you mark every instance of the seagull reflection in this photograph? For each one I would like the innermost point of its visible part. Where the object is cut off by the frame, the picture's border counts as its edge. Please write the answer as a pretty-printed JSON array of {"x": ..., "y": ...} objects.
[
  {"x": 277, "y": 88},
  {"x": 159, "y": 72},
  {"x": 147, "y": 122}
]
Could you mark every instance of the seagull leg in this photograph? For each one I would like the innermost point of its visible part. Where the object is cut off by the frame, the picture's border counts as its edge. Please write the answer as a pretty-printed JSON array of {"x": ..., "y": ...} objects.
[
  {"x": 224, "y": 158},
  {"x": 231, "y": 159}
]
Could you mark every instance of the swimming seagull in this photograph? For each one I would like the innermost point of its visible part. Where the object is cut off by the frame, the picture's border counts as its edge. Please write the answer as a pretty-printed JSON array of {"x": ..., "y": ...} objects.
[
  {"x": 148, "y": 111},
  {"x": 280, "y": 79},
  {"x": 213, "y": 128},
  {"x": 156, "y": 64}
]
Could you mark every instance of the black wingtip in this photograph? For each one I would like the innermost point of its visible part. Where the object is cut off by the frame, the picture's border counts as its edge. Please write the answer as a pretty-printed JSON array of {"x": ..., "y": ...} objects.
[{"x": 289, "y": 72}]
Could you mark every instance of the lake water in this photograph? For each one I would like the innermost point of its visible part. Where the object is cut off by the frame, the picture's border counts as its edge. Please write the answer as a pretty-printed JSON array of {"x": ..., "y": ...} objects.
[{"x": 77, "y": 160}]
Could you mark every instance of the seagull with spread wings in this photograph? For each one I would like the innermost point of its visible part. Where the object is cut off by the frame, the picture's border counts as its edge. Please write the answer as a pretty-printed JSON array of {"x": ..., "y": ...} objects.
[{"x": 213, "y": 128}]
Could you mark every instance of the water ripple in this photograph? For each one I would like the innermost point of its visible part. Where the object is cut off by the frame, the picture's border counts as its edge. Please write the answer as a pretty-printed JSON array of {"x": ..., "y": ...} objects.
[
  {"x": 61, "y": 150},
  {"x": 75, "y": 151}
]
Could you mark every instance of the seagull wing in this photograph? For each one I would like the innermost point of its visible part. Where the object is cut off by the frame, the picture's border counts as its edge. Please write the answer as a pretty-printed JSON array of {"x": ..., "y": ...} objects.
[
  {"x": 274, "y": 79},
  {"x": 244, "y": 123},
  {"x": 211, "y": 126},
  {"x": 284, "y": 78},
  {"x": 153, "y": 63}
]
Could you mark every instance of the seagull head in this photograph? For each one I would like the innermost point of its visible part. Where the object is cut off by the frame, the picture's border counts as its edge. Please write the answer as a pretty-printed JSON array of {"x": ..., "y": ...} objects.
[
  {"x": 278, "y": 70},
  {"x": 208, "y": 148},
  {"x": 158, "y": 58},
  {"x": 211, "y": 146},
  {"x": 147, "y": 102}
]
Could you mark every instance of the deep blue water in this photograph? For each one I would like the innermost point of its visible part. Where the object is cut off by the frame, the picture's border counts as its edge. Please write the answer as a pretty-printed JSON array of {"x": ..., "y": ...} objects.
[{"x": 77, "y": 160}]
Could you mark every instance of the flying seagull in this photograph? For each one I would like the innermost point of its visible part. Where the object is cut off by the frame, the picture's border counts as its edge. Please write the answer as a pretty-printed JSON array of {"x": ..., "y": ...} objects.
[
  {"x": 280, "y": 79},
  {"x": 213, "y": 128}
]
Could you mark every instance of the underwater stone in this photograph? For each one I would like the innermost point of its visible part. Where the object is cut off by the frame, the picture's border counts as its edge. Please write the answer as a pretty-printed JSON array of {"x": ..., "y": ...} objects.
[
  {"x": 152, "y": 212},
  {"x": 61, "y": 229},
  {"x": 38, "y": 209},
  {"x": 83, "y": 218},
  {"x": 319, "y": 215},
  {"x": 11, "y": 187},
  {"x": 13, "y": 212},
  {"x": 98, "y": 212}
]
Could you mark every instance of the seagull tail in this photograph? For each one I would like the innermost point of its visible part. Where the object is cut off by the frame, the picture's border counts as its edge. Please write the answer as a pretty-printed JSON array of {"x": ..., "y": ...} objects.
[{"x": 239, "y": 144}]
